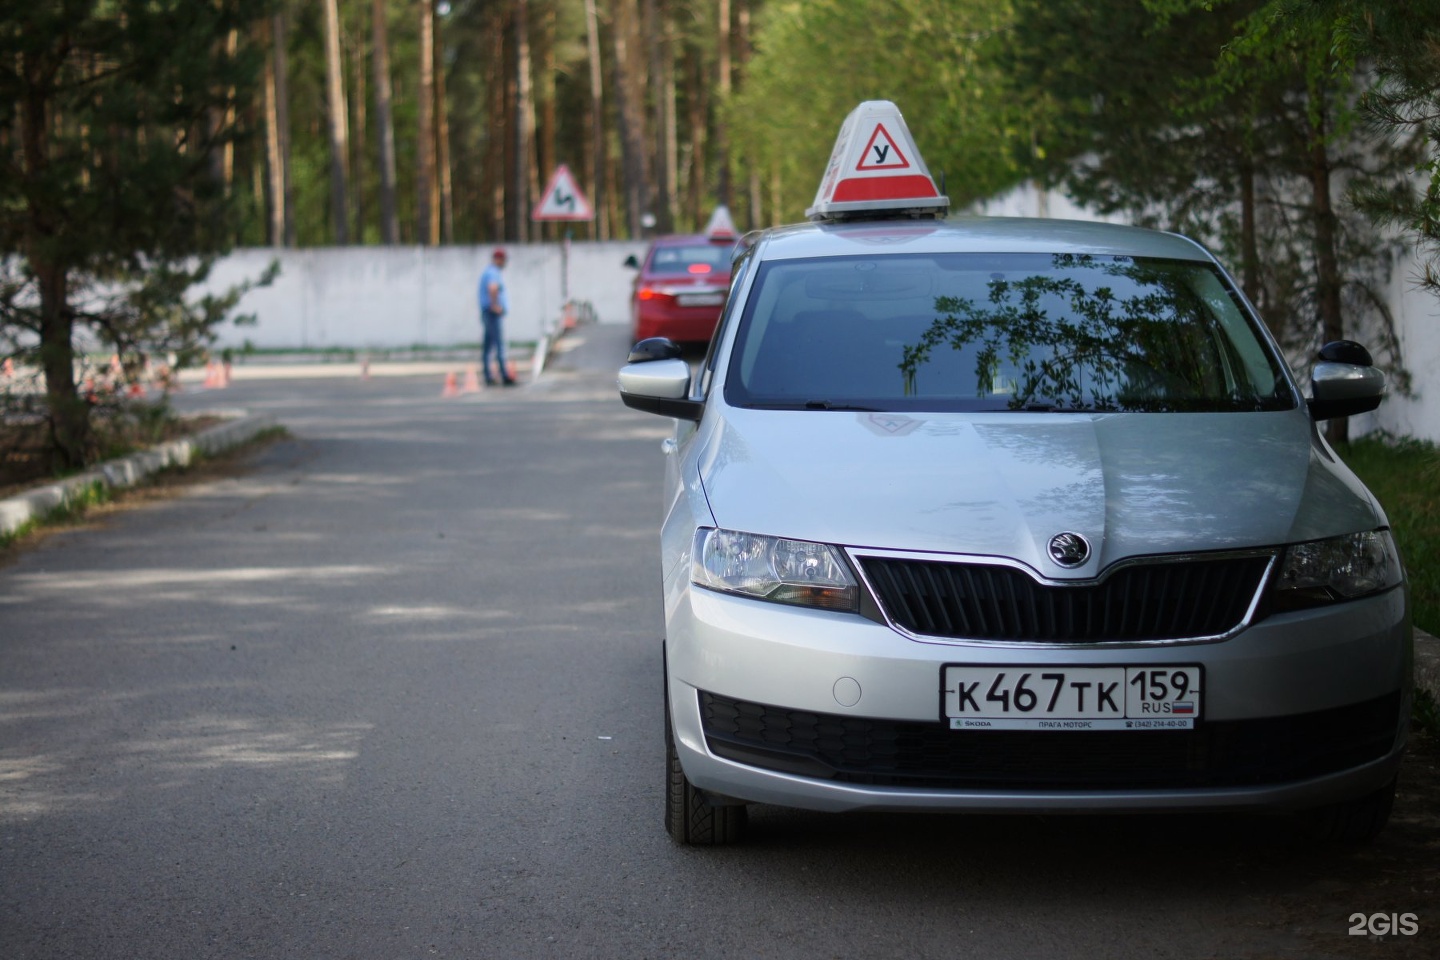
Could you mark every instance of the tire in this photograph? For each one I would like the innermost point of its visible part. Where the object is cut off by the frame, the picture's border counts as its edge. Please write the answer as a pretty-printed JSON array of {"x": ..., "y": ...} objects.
[
  {"x": 1355, "y": 821},
  {"x": 690, "y": 818}
]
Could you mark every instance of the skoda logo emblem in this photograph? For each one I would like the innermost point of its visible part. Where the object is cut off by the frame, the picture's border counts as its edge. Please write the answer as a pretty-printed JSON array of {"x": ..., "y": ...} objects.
[{"x": 1069, "y": 549}]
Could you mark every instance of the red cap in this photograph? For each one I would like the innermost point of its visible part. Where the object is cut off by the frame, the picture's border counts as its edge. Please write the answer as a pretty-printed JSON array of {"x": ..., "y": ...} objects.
[{"x": 499, "y": 254}]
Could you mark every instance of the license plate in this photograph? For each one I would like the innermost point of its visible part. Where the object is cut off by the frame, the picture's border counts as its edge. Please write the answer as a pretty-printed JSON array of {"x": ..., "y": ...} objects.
[
  {"x": 1072, "y": 698},
  {"x": 700, "y": 299}
]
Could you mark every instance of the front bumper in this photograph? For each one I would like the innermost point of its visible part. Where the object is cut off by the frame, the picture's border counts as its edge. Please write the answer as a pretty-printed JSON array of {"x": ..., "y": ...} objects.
[{"x": 1299, "y": 710}]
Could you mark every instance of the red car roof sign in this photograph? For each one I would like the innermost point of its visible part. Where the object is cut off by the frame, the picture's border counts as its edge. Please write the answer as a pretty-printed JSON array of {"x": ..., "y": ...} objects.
[
  {"x": 875, "y": 168},
  {"x": 721, "y": 227}
]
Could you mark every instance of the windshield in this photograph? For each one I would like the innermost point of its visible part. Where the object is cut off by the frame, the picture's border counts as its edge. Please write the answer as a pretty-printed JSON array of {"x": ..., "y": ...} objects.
[{"x": 1000, "y": 332}]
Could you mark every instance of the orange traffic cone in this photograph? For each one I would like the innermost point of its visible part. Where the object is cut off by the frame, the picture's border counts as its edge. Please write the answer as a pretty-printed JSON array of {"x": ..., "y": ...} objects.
[
  {"x": 472, "y": 380},
  {"x": 451, "y": 390}
]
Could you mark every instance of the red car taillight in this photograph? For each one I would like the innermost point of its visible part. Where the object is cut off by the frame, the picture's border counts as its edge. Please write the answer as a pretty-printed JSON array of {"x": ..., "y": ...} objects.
[{"x": 648, "y": 293}]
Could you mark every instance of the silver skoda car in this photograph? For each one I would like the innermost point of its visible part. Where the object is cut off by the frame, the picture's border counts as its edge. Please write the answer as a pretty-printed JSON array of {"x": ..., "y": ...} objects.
[{"x": 1015, "y": 515}]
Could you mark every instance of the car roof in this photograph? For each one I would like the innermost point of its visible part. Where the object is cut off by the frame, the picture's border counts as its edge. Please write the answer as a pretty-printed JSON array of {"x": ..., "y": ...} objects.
[{"x": 972, "y": 235}]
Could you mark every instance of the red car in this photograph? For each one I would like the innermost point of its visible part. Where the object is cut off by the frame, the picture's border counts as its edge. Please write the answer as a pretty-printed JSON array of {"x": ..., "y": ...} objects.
[{"x": 681, "y": 288}]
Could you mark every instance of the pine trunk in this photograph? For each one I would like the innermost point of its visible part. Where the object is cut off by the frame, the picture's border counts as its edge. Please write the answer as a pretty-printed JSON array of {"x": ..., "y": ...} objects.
[
  {"x": 384, "y": 126},
  {"x": 596, "y": 180},
  {"x": 1249, "y": 251},
  {"x": 281, "y": 26},
  {"x": 426, "y": 227},
  {"x": 274, "y": 167},
  {"x": 338, "y": 126},
  {"x": 631, "y": 117},
  {"x": 656, "y": 29},
  {"x": 68, "y": 414},
  {"x": 699, "y": 106},
  {"x": 359, "y": 135},
  {"x": 524, "y": 122},
  {"x": 722, "y": 135},
  {"x": 444, "y": 202},
  {"x": 1328, "y": 278}
]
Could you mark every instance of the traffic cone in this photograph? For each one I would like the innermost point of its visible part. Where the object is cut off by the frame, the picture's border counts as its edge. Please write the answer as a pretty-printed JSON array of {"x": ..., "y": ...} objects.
[
  {"x": 451, "y": 390},
  {"x": 210, "y": 381},
  {"x": 472, "y": 380}
]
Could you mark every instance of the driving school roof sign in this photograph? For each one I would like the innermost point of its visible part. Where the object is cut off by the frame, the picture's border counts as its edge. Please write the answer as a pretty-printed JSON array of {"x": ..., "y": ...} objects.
[
  {"x": 562, "y": 199},
  {"x": 875, "y": 167}
]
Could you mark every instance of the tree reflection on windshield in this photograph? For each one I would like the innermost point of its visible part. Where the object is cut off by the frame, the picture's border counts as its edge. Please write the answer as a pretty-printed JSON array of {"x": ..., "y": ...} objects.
[{"x": 1096, "y": 333}]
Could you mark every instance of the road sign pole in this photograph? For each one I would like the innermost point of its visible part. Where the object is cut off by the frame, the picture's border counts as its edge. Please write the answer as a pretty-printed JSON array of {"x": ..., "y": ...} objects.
[{"x": 565, "y": 268}]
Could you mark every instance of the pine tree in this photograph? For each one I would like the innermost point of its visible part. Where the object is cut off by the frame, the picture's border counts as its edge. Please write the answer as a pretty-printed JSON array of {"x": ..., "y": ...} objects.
[{"x": 110, "y": 210}]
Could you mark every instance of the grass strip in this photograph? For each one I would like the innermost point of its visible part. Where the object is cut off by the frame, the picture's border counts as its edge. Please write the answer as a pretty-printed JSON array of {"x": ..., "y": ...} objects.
[{"x": 1405, "y": 476}]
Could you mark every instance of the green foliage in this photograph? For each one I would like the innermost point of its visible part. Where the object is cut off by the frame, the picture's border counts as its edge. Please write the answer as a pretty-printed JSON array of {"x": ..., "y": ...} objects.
[
  {"x": 1217, "y": 120},
  {"x": 818, "y": 59},
  {"x": 1404, "y": 475},
  {"x": 1402, "y": 43}
]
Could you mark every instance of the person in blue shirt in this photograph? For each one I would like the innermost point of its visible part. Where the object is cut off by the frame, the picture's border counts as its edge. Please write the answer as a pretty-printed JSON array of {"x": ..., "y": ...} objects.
[{"x": 494, "y": 304}]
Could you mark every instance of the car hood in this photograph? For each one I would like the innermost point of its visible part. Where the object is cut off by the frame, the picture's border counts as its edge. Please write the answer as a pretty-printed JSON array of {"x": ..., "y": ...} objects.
[{"x": 1004, "y": 484}]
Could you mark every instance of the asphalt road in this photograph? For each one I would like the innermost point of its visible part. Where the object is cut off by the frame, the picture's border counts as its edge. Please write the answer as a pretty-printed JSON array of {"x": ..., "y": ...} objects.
[{"x": 394, "y": 692}]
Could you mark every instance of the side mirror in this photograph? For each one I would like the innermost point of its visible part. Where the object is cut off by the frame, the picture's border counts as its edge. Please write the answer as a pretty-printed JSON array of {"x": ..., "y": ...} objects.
[
  {"x": 1344, "y": 382},
  {"x": 657, "y": 380},
  {"x": 631, "y": 262}
]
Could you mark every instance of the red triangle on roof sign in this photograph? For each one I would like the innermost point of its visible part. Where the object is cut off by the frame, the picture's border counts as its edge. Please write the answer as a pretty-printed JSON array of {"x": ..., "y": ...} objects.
[
  {"x": 881, "y": 153},
  {"x": 875, "y": 168}
]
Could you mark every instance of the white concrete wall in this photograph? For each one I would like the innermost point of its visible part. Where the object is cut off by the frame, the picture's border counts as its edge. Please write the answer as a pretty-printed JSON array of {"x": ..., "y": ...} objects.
[
  {"x": 1417, "y": 320},
  {"x": 375, "y": 297}
]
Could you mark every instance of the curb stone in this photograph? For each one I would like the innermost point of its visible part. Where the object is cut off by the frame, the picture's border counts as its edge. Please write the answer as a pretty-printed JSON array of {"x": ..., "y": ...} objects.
[{"x": 129, "y": 470}]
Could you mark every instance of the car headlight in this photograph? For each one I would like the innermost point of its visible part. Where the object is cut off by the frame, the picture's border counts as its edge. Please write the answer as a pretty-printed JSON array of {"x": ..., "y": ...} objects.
[
  {"x": 1341, "y": 568},
  {"x": 773, "y": 568}
]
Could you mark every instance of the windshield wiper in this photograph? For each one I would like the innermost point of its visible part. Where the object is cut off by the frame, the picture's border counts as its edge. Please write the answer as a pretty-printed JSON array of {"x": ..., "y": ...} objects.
[
  {"x": 1050, "y": 408},
  {"x": 832, "y": 405}
]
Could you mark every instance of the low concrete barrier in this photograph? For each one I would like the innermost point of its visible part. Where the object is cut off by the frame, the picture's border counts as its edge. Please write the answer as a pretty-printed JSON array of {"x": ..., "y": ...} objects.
[{"x": 126, "y": 471}]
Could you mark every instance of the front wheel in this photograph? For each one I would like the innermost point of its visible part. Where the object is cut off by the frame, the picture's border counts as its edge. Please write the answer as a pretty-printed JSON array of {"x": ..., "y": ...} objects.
[{"x": 690, "y": 818}]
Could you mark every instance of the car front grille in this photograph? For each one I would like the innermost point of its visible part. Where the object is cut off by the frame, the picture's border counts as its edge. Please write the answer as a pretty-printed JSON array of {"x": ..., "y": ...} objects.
[
  {"x": 1173, "y": 600},
  {"x": 893, "y": 753}
]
